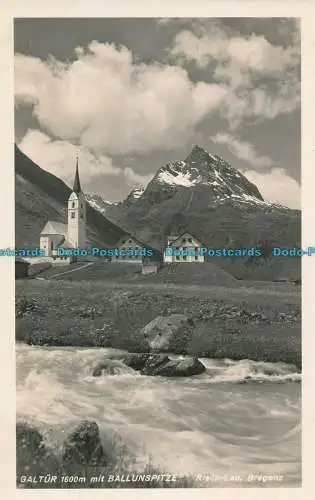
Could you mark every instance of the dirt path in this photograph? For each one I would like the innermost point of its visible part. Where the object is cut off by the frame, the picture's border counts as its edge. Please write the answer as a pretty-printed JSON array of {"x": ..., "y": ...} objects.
[{"x": 71, "y": 270}]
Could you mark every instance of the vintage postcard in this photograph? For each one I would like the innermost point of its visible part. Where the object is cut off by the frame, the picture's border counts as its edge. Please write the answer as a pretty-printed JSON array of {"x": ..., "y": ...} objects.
[{"x": 158, "y": 248}]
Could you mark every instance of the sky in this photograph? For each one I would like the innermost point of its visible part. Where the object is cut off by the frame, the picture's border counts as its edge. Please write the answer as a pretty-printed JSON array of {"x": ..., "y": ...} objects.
[{"x": 131, "y": 94}]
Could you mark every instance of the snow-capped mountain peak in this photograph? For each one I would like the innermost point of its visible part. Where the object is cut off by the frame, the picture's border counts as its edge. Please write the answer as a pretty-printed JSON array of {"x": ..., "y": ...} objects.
[{"x": 201, "y": 168}]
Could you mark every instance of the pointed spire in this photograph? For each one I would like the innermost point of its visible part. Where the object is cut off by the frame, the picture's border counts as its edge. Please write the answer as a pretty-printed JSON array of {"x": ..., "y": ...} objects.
[{"x": 77, "y": 185}]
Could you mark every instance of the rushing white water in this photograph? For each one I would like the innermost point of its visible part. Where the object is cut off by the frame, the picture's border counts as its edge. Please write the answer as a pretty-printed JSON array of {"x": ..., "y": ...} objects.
[{"x": 208, "y": 424}]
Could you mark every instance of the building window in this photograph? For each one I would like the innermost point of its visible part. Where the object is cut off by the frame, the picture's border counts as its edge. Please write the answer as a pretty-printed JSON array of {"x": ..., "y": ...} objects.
[
  {"x": 72, "y": 215},
  {"x": 190, "y": 240},
  {"x": 81, "y": 216},
  {"x": 184, "y": 257},
  {"x": 177, "y": 257},
  {"x": 81, "y": 205},
  {"x": 130, "y": 241},
  {"x": 73, "y": 204},
  {"x": 196, "y": 257},
  {"x": 184, "y": 240},
  {"x": 123, "y": 242},
  {"x": 51, "y": 245}
]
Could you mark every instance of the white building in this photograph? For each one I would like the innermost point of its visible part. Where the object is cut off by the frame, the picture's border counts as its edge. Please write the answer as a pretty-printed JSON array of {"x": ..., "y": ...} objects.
[
  {"x": 126, "y": 243},
  {"x": 182, "y": 248},
  {"x": 66, "y": 236}
]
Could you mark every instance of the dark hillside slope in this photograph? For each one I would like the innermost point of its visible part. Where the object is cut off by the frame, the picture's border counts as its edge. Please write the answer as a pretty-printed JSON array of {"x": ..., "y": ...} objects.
[{"x": 40, "y": 196}]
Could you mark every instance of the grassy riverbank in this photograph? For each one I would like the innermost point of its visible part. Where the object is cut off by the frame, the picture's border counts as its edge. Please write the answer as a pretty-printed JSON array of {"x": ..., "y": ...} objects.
[{"x": 238, "y": 325}]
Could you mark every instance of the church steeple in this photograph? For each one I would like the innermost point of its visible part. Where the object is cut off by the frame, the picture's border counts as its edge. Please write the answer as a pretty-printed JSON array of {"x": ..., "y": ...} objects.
[
  {"x": 77, "y": 213},
  {"x": 76, "y": 184}
]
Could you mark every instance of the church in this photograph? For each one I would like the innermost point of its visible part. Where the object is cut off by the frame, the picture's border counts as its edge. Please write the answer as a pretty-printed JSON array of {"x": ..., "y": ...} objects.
[{"x": 66, "y": 236}]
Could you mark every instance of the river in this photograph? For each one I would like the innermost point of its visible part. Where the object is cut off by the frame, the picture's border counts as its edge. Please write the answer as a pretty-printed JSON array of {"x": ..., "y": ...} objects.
[{"x": 212, "y": 424}]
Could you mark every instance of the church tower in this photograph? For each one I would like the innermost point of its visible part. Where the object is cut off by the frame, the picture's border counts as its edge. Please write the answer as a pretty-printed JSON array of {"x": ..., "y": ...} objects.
[{"x": 77, "y": 214}]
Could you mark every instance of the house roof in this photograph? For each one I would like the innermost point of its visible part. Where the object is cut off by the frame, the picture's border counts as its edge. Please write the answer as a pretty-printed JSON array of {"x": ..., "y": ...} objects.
[
  {"x": 54, "y": 227},
  {"x": 182, "y": 234},
  {"x": 139, "y": 242},
  {"x": 124, "y": 239}
]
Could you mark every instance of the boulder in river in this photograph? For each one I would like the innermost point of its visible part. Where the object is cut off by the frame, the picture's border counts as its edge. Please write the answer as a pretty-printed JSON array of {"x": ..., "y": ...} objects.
[
  {"x": 83, "y": 446},
  {"x": 136, "y": 361},
  {"x": 162, "y": 365},
  {"x": 108, "y": 367}
]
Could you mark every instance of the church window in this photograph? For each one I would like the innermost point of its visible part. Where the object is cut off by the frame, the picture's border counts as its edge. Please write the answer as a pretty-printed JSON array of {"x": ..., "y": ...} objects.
[
  {"x": 73, "y": 204},
  {"x": 72, "y": 215}
]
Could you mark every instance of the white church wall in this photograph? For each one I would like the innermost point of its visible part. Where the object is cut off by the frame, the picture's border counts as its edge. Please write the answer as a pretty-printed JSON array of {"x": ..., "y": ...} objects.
[
  {"x": 77, "y": 220},
  {"x": 48, "y": 243}
]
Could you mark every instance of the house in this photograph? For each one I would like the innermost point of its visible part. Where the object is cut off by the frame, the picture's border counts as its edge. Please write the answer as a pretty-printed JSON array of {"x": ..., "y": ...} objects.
[
  {"x": 21, "y": 268},
  {"x": 183, "y": 248},
  {"x": 56, "y": 238},
  {"x": 137, "y": 252},
  {"x": 131, "y": 247}
]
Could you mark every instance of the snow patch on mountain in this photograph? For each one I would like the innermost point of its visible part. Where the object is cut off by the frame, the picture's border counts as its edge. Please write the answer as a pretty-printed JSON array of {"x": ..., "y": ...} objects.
[
  {"x": 97, "y": 202},
  {"x": 137, "y": 192}
]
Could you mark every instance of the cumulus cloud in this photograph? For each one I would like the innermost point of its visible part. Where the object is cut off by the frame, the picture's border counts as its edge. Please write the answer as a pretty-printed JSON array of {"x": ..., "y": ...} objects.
[
  {"x": 243, "y": 150},
  {"x": 276, "y": 186},
  {"x": 252, "y": 52},
  {"x": 58, "y": 157},
  {"x": 109, "y": 103},
  {"x": 263, "y": 79}
]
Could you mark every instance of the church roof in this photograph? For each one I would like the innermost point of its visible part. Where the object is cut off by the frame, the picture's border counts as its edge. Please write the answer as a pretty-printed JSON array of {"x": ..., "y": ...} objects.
[
  {"x": 76, "y": 185},
  {"x": 54, "y": 227}
]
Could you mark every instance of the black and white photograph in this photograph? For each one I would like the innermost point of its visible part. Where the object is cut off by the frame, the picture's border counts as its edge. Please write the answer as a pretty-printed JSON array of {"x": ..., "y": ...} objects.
[{"x": 158, "y": 252}]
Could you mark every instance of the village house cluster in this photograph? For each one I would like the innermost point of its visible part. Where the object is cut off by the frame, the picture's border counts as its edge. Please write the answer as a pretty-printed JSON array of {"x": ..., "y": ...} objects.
[{"x": 56, "y": 238}]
